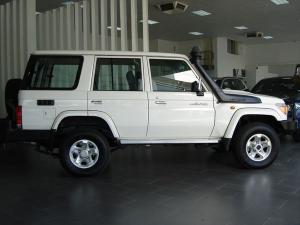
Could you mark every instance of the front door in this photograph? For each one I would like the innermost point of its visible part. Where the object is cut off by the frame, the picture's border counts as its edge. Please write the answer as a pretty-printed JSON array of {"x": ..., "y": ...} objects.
[
  {"x": 175, "y": 112},
  {"x": 118, "y": 91}
]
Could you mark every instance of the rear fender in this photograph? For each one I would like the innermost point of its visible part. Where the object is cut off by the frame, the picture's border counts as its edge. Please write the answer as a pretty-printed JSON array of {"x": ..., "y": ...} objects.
[{"x": 98, "y": 114}]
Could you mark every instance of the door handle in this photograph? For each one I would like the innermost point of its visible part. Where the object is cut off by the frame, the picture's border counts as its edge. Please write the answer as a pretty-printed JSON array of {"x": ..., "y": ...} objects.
[
  {"x": 97, "y": 102},
  {"x": 160, "y": 102},
  {"x": 45, "y": 102}
]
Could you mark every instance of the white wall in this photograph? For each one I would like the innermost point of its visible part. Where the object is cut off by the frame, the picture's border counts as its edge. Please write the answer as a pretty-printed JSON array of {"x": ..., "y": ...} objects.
[
  {"x": 283, "y": 70},
  {"x": 280, "y": 58},
  {"x": 17, "y": 41},
  {"x": 263, "y": 72},
  {"x": 225, "y": 62},
  {"x": 182, "y": 47},
  {"x": 272, "y": 54}
]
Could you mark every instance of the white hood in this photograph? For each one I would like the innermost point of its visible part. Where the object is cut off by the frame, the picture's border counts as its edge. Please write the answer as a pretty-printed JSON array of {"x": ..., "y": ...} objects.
[{"x": 264, "y": 98}]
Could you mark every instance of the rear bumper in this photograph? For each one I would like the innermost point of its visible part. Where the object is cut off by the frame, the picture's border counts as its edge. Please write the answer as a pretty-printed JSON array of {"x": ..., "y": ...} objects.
[
  {"x": 10, "y": 134},
  {"x": 289, "y": 126}
]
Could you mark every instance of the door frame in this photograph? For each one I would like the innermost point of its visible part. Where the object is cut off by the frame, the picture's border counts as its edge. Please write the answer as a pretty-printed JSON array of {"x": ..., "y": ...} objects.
[
  {"x": 91, "y": 88},
  {"x": 173, "y": 58}
]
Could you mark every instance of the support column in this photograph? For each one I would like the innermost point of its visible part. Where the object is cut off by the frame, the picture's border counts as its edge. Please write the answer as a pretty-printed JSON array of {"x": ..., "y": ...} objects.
[
  {"x": 47, "y": 30},
  {"x": 103, "y": 25},
  {"x": 94, "y": 19},
  {"x": 15, "y": 58},
  {"x": 3, "y": 47},
  {"x": 77, "y": 25},
  {"x": 113, "y": 20},
  {"x": 69, "y": 27},
  {"x": 123, "y": 20},
  {"x": 31, "y": 26},
  {"x": 134, "y": 27},
  {"x": 61, "y": 28},
  {"x": 8, "y": 40},
  {"x": 145, "y": 26},
  {"x": 22, "y": 38},
  {"x": 54, "y": 29},
  {"x": 86, "y": 24}
]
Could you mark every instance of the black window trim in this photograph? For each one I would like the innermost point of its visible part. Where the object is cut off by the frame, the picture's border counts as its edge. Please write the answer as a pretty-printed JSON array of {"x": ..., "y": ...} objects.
[{"x": 31, "y": 64}]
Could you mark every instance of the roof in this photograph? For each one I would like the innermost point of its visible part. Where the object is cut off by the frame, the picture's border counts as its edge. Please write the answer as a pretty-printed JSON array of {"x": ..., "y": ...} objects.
[
  {"x": 221, "y": 78},
  {"x": 278, "y": 78},
  {"x": 109, "y": 53}
]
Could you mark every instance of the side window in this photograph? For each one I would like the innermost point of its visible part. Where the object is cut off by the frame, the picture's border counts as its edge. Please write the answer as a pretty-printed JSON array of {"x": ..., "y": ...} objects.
[
  {"x": 227, "y": 84},
  {"x": 118, "y": 74},
  {"x": 171, "y": 75},
  {"x": 238, "y": 84},
  {"x": 219, "y": 82},
  {"x": 53, "y": 72}
]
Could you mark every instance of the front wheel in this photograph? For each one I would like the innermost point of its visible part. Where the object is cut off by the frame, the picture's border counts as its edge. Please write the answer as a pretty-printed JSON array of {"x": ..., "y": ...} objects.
[
  {"x": 85, "y": 152},
  {"x": 256, "y": 145}
]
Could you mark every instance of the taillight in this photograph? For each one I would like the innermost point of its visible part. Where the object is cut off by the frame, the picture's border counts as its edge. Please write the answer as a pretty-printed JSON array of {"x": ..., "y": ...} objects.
[{"x": 19, "y": 116}]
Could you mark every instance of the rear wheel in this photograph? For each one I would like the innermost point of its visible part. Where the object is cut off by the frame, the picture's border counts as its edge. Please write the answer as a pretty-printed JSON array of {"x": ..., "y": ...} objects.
[
  {"x": 85, "y": 152},
  {"x": 256, "y": 145}
]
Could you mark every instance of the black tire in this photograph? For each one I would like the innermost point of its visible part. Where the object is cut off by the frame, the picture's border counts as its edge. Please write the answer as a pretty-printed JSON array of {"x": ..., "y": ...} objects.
[
  {"x": 244, "y": 134},
  {"x": 96, "y": 138},
  {"x": 296, "y": 136}
]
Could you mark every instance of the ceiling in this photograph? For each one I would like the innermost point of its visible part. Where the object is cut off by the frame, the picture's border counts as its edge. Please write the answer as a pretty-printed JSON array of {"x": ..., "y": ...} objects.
[{"x": 281, "y": 22}]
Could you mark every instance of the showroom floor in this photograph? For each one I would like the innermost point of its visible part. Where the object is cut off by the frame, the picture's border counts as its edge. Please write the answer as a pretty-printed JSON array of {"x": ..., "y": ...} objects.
[{"x": 151, "y": 185}]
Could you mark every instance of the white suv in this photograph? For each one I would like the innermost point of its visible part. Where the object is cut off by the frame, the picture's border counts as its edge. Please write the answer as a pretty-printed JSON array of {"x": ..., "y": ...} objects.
[{"x": 88, "y": 103}]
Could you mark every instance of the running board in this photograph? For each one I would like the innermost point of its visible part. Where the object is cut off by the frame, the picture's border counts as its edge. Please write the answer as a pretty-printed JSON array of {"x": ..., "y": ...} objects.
[{"x": 169, "y": 141}]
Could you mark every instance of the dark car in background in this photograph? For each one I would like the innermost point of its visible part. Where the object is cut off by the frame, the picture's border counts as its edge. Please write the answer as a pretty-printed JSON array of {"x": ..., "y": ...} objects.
[
  {"x": 232, "y": 83},
  {"x": 286, "y": 88}
]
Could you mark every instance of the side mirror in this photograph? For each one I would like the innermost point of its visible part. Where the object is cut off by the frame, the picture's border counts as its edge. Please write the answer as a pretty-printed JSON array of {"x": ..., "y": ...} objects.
[{"x": 197, "y": 87}]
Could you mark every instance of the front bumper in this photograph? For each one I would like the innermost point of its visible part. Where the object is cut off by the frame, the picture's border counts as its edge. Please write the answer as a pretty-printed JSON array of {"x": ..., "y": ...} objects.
[{"x": 289, "y": 126}]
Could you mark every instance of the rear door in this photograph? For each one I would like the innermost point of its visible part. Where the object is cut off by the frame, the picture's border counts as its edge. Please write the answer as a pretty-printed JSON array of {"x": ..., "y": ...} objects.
[
  {"x": 118, "y": 91},
  {"x": 50, "y": 88}
]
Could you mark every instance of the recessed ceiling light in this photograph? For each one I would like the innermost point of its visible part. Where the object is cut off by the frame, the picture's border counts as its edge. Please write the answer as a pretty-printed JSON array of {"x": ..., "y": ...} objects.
[
  {"x": 151, "y": 22},
  {"x": 118, "y": 28},
  {"x": 268, "y": 37},
  {"x": 196, "y": 33},
  {"x": 241, "y": 28},
  {"x": 280, "y": 2},
  {"x": 201, "y": 13},
  {"x": 38, "y": 13}
]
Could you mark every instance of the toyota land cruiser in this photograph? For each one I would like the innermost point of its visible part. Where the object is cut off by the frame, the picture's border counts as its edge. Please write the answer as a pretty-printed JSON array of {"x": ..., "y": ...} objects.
[{"x": 87, "y": 103}]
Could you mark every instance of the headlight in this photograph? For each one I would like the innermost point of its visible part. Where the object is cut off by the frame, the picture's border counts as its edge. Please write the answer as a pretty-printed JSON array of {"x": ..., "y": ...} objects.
[{"x": 283, "y": 108}]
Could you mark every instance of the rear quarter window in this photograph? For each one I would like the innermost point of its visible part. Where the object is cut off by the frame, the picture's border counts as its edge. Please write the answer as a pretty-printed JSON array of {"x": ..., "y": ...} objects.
[{"x": 53, "y": 73}]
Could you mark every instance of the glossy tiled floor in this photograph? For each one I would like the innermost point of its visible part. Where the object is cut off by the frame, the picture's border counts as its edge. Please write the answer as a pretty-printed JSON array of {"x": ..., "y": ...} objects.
[{"x": 176, "y": 185}]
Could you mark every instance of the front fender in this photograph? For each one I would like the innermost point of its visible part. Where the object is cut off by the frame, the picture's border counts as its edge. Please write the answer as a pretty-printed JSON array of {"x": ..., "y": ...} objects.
[{"x": 248, "y": 111}]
